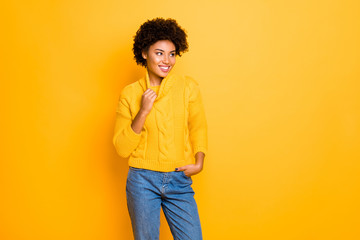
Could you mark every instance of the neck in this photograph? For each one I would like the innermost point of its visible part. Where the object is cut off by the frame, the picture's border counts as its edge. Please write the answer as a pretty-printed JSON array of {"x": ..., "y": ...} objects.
[
  {"x": 154, "y": 80},
  {"x": 152, "y": 83}
]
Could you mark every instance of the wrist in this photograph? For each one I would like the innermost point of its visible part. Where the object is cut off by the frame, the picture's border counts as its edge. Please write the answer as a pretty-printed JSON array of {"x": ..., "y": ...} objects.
[
  {"x": 199, "y": 165},
  {"x": 143, "y": 113}
]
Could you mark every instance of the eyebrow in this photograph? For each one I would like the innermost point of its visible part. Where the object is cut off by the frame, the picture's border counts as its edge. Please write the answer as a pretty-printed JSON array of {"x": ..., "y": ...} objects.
[{"x": 164, "y": 51}]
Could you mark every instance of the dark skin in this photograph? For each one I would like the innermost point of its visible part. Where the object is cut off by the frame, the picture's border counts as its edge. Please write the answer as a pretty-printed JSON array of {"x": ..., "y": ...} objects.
[{"x": 149, "y": 96}]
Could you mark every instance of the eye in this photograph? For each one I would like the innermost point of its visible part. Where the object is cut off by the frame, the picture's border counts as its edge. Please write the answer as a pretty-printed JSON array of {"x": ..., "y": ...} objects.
[
  {"x": 158, "y": 53},
  {"x": 172, "y": 54}
]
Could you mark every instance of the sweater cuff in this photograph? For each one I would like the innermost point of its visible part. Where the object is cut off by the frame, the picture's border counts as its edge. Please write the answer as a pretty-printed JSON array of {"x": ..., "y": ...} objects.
[
  {"x": 131, "y": 135},
  {"x": 200, "y": 149}
]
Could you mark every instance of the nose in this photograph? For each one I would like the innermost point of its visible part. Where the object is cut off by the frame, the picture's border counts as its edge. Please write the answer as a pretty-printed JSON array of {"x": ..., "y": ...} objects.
[{"x": 166, "y": 59}]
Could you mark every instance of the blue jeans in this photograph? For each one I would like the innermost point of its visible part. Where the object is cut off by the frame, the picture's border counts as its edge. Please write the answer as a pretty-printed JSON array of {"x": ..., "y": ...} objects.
[{"x": 147, "y": 191}]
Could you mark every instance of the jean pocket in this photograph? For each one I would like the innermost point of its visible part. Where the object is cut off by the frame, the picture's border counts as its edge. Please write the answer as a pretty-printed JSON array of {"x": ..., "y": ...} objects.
[
  {"x": 135, "y": 174},
  {"x": 183, "y": 173}
]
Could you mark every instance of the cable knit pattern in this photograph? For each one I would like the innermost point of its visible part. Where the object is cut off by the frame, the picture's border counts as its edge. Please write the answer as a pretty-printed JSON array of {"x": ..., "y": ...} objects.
[
  {"x": 165, "y": 122},
  {"x": 174, "y": 130}
]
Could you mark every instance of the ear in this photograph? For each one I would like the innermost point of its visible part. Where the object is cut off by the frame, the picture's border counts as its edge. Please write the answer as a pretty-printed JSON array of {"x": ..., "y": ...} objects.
[{"x": 144, "y": 55}]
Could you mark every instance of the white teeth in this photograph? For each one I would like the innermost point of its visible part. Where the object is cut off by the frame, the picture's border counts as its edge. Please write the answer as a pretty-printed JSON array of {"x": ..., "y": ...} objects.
[{"x": 164, "y": 67}]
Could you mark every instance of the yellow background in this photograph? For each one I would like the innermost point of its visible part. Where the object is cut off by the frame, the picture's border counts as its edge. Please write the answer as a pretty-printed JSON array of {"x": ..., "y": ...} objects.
[{"x": 280, "y": 83}]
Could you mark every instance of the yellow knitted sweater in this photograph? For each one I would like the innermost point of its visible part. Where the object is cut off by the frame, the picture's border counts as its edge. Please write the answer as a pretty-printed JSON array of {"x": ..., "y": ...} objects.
[{"x": 174, "y": 131}]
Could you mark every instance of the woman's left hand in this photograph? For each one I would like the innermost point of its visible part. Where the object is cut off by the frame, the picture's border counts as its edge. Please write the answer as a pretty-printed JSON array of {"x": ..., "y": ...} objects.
[{"x": 190, "y": 169}]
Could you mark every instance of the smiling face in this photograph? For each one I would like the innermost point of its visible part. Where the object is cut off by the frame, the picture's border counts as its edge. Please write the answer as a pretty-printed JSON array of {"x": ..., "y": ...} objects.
[{"x": 160, "y": 59}]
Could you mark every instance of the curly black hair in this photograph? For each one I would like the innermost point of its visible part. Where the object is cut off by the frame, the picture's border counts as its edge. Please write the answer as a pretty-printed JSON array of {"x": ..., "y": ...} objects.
[{"x": 158, "y": 29}]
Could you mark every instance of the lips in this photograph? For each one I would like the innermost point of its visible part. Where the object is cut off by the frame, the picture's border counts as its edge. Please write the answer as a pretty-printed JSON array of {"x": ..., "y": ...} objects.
[{"x": 164, "y": 68}]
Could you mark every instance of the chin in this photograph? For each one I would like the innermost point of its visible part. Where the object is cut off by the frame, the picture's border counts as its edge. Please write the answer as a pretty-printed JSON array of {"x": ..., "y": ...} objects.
[{"x": 163, "y": 74}]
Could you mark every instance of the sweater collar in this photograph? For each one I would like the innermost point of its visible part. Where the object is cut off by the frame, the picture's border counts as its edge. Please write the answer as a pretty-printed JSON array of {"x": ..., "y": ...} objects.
[{"x": 165, "y": 84}]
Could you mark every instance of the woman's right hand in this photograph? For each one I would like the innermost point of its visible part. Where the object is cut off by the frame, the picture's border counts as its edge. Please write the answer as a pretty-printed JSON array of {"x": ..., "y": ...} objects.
[{"x": 147, "y": 100}]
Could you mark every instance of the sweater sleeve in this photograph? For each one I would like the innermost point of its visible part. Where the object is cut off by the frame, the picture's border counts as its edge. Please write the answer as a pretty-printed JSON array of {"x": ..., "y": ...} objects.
[
  {"x": 125, "y": 139},
  {"x": 197, "y": 120}
]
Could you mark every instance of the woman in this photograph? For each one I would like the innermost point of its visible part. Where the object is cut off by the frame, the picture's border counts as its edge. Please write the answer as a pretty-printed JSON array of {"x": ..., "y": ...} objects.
[{"x": 161, "y": 127}]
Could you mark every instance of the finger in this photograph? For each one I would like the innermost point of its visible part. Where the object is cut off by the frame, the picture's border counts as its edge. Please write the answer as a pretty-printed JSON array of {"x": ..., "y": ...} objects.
[
  {"x": 151, "y": 98},
  {"x": 180, "y": 169},
  {"x": 149, "y": 90},
  {"x": 151, "y": 93}
]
